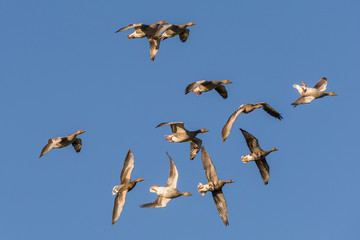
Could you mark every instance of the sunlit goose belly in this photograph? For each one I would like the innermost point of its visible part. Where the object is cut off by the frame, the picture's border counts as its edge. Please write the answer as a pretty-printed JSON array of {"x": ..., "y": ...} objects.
[{"x": 251, "y": 157}]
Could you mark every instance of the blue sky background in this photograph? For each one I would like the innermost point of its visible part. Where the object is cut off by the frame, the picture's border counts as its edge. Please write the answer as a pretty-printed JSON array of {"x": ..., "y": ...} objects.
[{"x": 64, "y": 68}]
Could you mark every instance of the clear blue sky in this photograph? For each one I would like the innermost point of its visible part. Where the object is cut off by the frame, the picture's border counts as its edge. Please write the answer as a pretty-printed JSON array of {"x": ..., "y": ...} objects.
[{"x": 63, "y": 68}]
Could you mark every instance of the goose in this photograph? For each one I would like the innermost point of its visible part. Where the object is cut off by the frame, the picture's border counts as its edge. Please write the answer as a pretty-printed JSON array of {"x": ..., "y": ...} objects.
[
  {"x": 60, "y": 142},
  {"x": 126, "y": 186},
  {"x": 247, "y": 108},
  {"x": 204, "y": 86},
  {"x": 258, "y": 155},
  {"x": 151, "y": 32},
  {"x": 165, "y": 194},
  {"x": 180, "y": 134},
  {"x": 309, "y": 94},
  {"x": 214, "y": 185},
  {"x": 181, "y": 30}
]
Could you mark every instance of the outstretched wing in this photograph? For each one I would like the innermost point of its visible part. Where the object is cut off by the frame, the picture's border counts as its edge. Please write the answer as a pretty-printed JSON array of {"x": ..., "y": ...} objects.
[
  {"x": 184, "y": 35},
  {"x": 264, "y": 170},
  {"x": 191, "y": 87},
  {"x": 154, "y": 47},
  {"x": 321, "y": 84},
  {"x": 271, "y": 111},
  {"x": 209, "y": 167},
  {"x": 128, "y": 166},
  {"x": 161, "y": 29},
  {"x": 222, "y": 91},
  {"x": 51, "y": 144},
  {"x": 159, "y": 203},
  {"x": 175, "y": 126},
  {"x": 129, "y": 27},
  {"x": 303, "y": 100},
  {"x": 251, "y": 141},
  {"x": 227, "y": 127},
  {"x": 118, "y": 205},
  {"x": 195, "y": 146},
  {"x": 173, "y": 174},
  {"x": 77, "y": 144},
  {"x": 220, "y": 203}
]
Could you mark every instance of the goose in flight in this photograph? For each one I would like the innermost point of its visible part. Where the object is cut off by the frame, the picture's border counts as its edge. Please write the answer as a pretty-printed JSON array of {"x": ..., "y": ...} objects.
[
  {"x": 151, "y": 32},
  {"x": 60, "y": 142},
  {"x": 258, "y": 155},
  {"x": 126, "y": 186},
  {"x": 214, "y": 185},
  {"x": 180, "y": 134},
  {"x": 165, "y": 194},
  {"x": 247, "y": 108},
  {"x": 204, "y": 86},
  {"x": 309, "y": 94}
]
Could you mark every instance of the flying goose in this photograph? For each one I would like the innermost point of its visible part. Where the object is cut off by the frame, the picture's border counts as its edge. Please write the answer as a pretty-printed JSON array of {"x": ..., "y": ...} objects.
[
  {"x": 204, "y": 86},
  {"x": 247, "y": 108},
  {"x": 258, "y": 155},
  {"x": 309, "y": 94},
  {"x": 151, "y": 32},
  {"x": 180, "y": 134},
  {"x": 165, "y": 194},
  {"x": 181, "y": 30},
  {"x": 214, "y": 185},
  {"x": 60, "y": 142},
  {"x": 126, "y": 186}
]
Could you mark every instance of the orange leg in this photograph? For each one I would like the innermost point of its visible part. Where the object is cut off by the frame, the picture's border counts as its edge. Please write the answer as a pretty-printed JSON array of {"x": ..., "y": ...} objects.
[
  {"x": 171, "y": 140},
  {"x": 199, "y": 94},
  {"x": 303, "y": 83}
]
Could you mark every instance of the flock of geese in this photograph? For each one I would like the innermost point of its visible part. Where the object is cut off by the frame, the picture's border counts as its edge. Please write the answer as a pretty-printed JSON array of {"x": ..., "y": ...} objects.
[{"x": 155, "y": 33}]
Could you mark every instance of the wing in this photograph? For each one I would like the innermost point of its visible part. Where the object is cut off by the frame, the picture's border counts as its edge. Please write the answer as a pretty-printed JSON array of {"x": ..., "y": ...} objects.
[
  {"x": 173, "y": 174},
  {"x": 175, "y": 126},
  {"x": 303, "y": 100},
  {"x": 161, "y": 29},
  {"x": 209, "y": 167},
  {"x": 222, "y": 91},
  {"x": 191, "y": 87},
  {"x": 227, "y": 127},
  {"x": 77, "y": 144},
  {"x": 128, "y": 166},
  {"x": 118, "y": 205},
  {"x": 251, "y": 141},
  {"x": 51, "y": 144},
  {"x": 264, "y": 170},
  {"x": 220, "y": 203},
  {"x": 271, "y": 111},
  {"x": 184, "y": 35},
  {"x": 159, "y": 202},
  {"x": 195, "y": 146},
  {"x": 129, "y": 27},
  {"x": 154, "y": 47},
  {"x": 321, "y": 84}
]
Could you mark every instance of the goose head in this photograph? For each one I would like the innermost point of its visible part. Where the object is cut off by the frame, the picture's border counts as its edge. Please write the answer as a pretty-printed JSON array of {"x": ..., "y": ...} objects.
[
  {"x": 203, "y": 130},
  {"x": 79, "y": 132},
  {"x": 139, "y": 179},
  {"x": 190, "y": 24}
]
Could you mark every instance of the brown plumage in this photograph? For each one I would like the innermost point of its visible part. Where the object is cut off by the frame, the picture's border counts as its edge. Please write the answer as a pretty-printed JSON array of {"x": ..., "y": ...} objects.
[
  {"x": 258, "y": 155},
  {"x": 126, "y": 186},
  {"x": 151, "y": 32},
  {"x": 60, "y": 142},
  {"x": 214, "y": 185},
  {"x": 181, "y": 30},
  {"x": 204, "y": 86},
  {"x": 180, "y": 134},
  {"x": 247, "y": 108}
]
